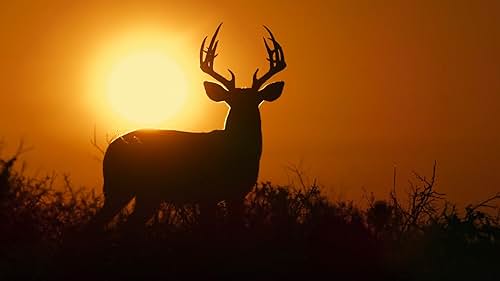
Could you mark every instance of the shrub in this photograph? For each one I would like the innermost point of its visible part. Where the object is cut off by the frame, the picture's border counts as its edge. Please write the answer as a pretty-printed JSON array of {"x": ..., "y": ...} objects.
[{"x": 286, "y": 232}]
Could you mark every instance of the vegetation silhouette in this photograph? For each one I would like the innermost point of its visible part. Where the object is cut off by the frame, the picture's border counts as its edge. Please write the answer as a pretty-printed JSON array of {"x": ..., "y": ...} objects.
[
  {"x": 183, "y": 167},
  {"x": 289, "y": 233}
]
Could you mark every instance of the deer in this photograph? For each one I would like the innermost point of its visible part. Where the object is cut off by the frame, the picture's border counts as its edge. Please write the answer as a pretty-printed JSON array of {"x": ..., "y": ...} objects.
[{"x": 203, "y": 168}]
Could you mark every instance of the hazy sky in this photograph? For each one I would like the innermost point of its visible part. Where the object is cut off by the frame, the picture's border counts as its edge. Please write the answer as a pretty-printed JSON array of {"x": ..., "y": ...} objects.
[{"x": 370, "y": 84}]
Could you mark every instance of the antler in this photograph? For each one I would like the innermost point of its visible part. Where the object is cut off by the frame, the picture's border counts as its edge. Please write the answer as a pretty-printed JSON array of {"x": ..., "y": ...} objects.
[
  {"x": 207, "y": 63},
  {"x": 276, "y": 61}
]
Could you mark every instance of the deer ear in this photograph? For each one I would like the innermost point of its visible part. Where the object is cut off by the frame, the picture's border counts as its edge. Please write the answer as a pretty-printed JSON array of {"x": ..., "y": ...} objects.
[
  {"x": 272, "y": 91},
  {"x": 215, "y": 91}
]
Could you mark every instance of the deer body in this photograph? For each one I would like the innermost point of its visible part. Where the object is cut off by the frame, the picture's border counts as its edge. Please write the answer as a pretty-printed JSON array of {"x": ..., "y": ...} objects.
[
  {"x": 182, "y": 167},
  {"x": 153, "y": 166}
]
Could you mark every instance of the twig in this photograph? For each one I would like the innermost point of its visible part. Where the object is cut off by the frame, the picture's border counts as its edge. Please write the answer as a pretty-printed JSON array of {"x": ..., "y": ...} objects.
[
  {"x": 94, "y": 143},
  {"x": 485, "y": 202}
]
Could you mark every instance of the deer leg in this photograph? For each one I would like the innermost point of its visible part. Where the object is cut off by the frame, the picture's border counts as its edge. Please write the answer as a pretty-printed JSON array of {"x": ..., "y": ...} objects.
[
  {"x": 112, "y": 205},
  {"x": 236, "y": 212},
  {"x": 143, "y": 211}
]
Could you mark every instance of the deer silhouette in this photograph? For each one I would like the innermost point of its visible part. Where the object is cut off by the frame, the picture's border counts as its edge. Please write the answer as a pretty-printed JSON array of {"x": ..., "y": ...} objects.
[{"x": 157, "y": 166}]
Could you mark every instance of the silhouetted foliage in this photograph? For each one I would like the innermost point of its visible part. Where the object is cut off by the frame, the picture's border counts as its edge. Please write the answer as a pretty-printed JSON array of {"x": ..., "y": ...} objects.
[{"x": 286, "y": 232}]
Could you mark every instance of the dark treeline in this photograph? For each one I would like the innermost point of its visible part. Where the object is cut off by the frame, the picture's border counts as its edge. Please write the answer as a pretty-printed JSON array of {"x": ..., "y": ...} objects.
[{"x": 286, "y": 233}]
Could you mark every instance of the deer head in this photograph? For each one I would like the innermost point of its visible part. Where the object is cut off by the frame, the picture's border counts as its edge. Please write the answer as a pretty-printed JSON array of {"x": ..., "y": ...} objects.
[{"x": 243, "y": 102}]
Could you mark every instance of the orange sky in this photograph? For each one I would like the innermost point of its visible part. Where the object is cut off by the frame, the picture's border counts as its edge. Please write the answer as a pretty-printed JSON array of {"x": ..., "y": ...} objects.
[{"x": 368, "y": 85}]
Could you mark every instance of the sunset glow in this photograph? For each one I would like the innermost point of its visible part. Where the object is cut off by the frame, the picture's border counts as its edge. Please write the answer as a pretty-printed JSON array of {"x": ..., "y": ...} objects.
[{"x": 146, "y": 88}]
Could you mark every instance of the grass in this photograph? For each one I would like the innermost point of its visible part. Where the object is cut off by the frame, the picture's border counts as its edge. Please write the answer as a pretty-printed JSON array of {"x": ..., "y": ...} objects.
[{"x": 286, "y": 233}]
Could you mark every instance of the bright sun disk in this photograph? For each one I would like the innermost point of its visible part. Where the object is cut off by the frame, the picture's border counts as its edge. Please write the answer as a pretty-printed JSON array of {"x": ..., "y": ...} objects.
[{"x": 147, "y": 88}]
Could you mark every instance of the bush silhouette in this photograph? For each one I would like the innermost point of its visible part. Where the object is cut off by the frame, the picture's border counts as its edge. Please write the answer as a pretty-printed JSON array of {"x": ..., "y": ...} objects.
[{"x": 285, "y": 233}]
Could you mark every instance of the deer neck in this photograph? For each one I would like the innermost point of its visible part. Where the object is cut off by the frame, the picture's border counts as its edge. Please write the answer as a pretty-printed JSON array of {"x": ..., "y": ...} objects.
[{"x": 244, "y": 130}]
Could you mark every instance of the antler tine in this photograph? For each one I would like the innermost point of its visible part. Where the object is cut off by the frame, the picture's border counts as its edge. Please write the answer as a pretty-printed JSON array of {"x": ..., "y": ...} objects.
[
  {"x": 269, "y": 51},
  {"x": 276, "y": 60},
  {"x": 278, "y": 51},
  {"x": 213, "y": 37},
  {"x": 202, "y": 50},
  {"x": 207, "y": 62},
  {"x": 270, "y": 33}
]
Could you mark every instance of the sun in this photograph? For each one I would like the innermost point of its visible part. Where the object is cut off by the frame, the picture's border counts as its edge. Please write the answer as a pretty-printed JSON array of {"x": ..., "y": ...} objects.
[{"x": 146, "y": 88}]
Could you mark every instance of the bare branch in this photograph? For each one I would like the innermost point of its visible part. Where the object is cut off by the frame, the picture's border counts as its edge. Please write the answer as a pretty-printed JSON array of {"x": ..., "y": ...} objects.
[
  {"x": 94, "y": 143},
  {"x": 485, "y": 203}
]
